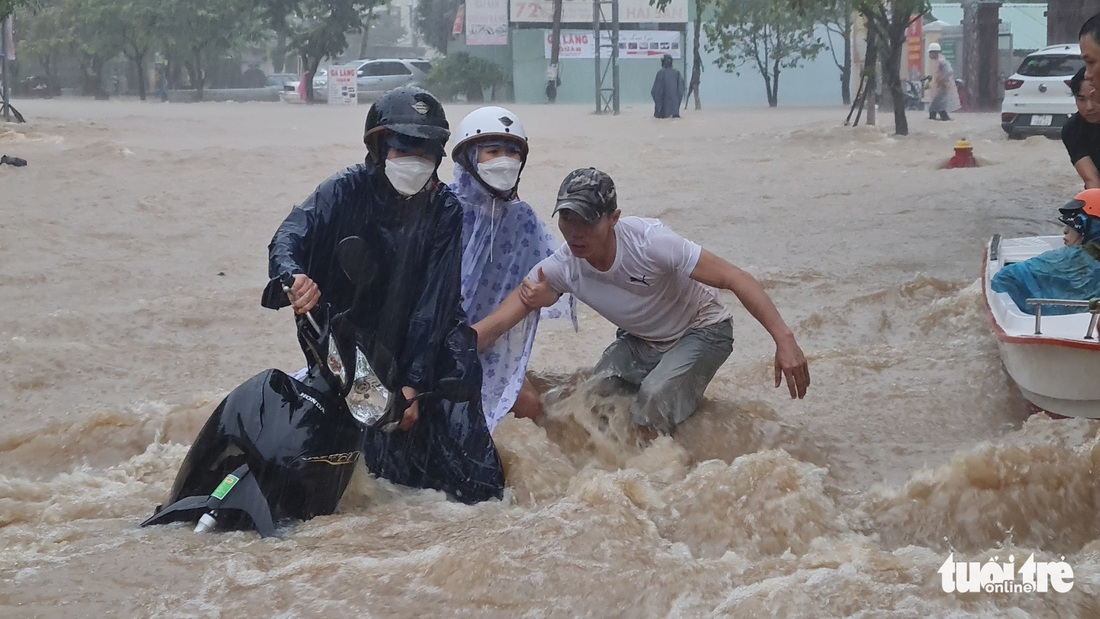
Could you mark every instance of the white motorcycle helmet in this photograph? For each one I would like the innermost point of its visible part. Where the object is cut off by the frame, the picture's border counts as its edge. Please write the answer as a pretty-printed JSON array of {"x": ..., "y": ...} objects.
[
  {"x": 491, "y": 125},
  {"x": 488, "y": 122}
]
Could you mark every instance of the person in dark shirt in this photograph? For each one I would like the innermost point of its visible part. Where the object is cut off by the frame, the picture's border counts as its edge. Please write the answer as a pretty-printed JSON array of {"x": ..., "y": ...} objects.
[
  {"x": 1081, "y": 133},
  {"x": 1089, "y": 38}
]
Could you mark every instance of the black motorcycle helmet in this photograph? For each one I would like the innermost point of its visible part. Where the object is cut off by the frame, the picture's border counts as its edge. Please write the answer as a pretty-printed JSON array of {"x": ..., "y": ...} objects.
[{"x": 410, "y": 112}]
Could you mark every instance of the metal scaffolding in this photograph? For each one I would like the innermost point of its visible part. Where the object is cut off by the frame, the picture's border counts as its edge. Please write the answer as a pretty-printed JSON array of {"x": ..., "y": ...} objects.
[{"x": 607, "y": 94}]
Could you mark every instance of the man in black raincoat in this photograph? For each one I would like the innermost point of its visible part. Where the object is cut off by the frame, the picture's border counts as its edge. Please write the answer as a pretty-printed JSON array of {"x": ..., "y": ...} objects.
[
  {"x": 667, "y": 91},
  {"x": 407, "y": 314}
]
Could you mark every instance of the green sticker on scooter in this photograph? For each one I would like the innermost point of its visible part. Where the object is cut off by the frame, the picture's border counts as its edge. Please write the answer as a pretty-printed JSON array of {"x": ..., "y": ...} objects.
[{"x": 224, "y": 487}]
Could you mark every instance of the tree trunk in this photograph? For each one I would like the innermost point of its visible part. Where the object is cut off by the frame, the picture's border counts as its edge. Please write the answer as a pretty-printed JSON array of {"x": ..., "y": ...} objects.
[
  {"x": 870, "y": 68},
  {"x": 1064, "y": 19},
  {"x": 846, "y": 69},
  {"x": 966, "y": 63},
  {"x": 278, "y": 58},
  {"x": 139, "y": 64},
  {"x": 49, "y": 67},
  {"x": 92, "y": 68},
  {"x": 892, "y": 72},
  {"x": 366, "y": 32},
  {"x": 846, "y": 86},
  {"x": 308, "y": 77},
  {"x": 773, "y": 94},
  {"x": 198, "y": 80},
  {"x": 901, "y": 123},
  {"x": 696, "y": 57}
]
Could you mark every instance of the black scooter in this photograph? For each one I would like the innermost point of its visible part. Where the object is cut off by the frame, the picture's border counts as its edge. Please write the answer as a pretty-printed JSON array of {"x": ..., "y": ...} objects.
[{"x": 279, "y": 447}]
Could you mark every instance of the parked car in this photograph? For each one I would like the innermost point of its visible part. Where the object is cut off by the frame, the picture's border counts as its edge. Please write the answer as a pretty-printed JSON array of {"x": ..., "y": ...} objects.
[
  {"x": 282, "y": 81},
  {"x": 1037, "y": 96},
  {"x": 35, "y": 86},
  {"x": 376, "y": 76}
]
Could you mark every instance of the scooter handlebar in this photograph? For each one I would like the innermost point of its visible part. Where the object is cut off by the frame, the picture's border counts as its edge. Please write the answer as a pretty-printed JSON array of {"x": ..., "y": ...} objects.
[{"x": 287, "y": 281}]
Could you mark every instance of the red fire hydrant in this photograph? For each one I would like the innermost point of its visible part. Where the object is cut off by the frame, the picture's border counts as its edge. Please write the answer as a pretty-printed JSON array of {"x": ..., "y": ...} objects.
[{"x": 964, "y": 156}]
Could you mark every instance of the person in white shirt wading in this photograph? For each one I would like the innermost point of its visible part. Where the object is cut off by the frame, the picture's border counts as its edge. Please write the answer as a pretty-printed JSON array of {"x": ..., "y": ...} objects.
[{"x": 659, "y": 289}]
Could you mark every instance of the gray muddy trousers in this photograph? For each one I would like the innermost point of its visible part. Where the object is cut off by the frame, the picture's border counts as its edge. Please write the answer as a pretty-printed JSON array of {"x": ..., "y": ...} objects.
[{"x": 670, "y": 383}]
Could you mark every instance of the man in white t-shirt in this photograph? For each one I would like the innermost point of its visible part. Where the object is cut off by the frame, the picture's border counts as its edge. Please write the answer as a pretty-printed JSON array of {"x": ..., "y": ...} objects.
[{"x": 659, "y": 289}]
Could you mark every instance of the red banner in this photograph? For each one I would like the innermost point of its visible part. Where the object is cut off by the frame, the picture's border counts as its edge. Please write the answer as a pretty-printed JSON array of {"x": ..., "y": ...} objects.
[
  {"x": 460, "y": 20},
  {"x": 914, "y": 55}
]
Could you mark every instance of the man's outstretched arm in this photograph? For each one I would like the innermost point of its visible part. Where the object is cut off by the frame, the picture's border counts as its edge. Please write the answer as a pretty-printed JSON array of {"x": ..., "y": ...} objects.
[
  {"x": 507, "y": 315},
  {"x": 790, "y": 362}
]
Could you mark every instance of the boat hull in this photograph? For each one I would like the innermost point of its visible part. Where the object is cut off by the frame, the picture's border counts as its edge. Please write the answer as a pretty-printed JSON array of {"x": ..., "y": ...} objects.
[{"x": 1057, "y": 370}]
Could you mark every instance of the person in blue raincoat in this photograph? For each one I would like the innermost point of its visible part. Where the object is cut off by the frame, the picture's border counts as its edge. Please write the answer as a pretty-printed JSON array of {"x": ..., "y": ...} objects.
[
  {"x": 407, "y": 316},
  {"x": 1071, "y": 272},
  {"x": 502, "y": 240}
]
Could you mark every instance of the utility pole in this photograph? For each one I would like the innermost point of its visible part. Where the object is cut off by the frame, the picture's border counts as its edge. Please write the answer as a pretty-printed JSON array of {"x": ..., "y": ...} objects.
[
  {"x": 7, "y": 49},
  {"x": 552, "y": 80}
]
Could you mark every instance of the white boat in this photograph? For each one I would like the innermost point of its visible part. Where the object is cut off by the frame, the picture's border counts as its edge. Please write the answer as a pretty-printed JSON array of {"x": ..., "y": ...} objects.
[{"x": 1055, "y": 360}]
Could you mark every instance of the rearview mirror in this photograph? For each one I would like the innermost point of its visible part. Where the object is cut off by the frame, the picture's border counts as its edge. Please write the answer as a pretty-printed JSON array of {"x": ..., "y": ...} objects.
[{"x": 354, "y": 256}]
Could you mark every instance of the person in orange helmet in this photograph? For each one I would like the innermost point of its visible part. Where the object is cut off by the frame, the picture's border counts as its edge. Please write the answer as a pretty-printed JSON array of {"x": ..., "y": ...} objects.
[{"x": 1071, "y": 272}]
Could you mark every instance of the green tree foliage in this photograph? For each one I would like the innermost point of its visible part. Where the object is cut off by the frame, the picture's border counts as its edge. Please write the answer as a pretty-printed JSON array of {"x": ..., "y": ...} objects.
[
  {"x": 198, "y": 29},
  {"x": 7, "y": 7},
  {"x": 44, "y": 38},
  {"x": 890, "y": 19},
  {"x": 838, "y": 21},
  {"x": 434, "y": 20},
  {"x": 100, "y": 29},
  {"x": 766, "y": 34},
  {"x": 316, "y": 29},
  {"x": 382, "y": 27},
  {"x": 94, "y": 38},
  {"x": 138, "y": 23},
  {"x": 463, "y": 74}
]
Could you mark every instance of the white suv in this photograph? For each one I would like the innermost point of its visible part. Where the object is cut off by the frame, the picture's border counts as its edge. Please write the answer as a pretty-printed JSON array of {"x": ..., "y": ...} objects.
[
  {"x": 1037, "y": 96},
  {"x": 374, "y": 77}
]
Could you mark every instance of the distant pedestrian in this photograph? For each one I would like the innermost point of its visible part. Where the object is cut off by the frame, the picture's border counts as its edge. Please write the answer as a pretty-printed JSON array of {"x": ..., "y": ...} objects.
[
  {"x": 944, "y": 92},
  {"x": 667, "y": 91},
  {"x": 161, "y": 78}
]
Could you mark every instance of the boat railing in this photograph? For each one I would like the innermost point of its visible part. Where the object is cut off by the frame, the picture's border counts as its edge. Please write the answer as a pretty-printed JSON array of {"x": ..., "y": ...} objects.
[{"x": 1093, "y": 306}]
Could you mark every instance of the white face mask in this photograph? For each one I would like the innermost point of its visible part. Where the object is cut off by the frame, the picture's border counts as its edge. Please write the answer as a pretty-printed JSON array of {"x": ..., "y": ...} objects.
[
  {"x": 409, "y": 175},
  {"x": 501, "y": 173}
]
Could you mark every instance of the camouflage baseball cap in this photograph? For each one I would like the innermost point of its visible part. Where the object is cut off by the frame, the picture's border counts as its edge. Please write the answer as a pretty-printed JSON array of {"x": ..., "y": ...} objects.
[{"x": 588, "y": 192}]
